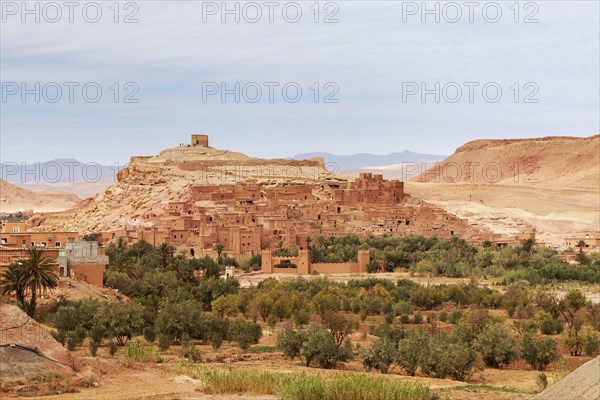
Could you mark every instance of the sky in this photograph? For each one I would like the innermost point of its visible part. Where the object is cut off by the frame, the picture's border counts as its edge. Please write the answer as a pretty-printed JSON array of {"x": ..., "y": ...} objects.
[{"x": 101, "y": 83}]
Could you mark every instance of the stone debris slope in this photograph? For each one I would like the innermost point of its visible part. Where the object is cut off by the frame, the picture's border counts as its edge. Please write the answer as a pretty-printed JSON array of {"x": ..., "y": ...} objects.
[{"x": 581, "y": 384}]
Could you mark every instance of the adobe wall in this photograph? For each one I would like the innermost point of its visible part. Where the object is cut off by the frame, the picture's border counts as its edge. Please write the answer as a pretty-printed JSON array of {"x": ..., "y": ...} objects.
[
  {"x": 285, "y": 271},
  {"x": 267, "y": 262},
  {"x": 92, "y": 273},
  {"x": 334, "y": 268},
  {"x": 305, "y": 267},
  {"x": 200, "y": 140}
]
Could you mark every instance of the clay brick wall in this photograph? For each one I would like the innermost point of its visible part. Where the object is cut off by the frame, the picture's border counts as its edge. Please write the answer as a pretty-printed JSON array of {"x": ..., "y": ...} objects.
[
  {"x": 92, "y": 273},
  {"x": 334, "y": 268}
]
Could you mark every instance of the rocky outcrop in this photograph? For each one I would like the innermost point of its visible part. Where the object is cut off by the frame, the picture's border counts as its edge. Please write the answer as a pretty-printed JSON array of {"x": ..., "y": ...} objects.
[
  {"x": 21, "y": 333},
  {"x": 581, "y": 384},
  {"x": 148, "y": 184},
  {"x": 558, "y": 161}
]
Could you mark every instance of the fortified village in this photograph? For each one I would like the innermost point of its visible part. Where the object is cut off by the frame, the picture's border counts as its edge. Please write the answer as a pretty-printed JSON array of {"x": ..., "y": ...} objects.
[{"x": 250, "y": 206}]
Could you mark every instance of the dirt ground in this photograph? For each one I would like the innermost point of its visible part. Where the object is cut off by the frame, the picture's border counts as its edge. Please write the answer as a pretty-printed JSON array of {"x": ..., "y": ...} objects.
[
  {"x": 108, "y": 377},
  {"x": 554, "y": 211}
]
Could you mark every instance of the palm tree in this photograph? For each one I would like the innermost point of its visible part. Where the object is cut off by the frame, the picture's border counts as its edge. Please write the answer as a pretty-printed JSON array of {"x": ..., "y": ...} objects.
[
  {"x": 39, "y": 275},
  {"x": 308, "y": 240},
  {"x": 219, "y": 247},
  {"x": 528, "y": 245},
  {"x": 122, "y": 262},
  {"x": 581, "y": 245},
  {"x": 165, "y": 252},
  {"x": 11, "y": 281}
]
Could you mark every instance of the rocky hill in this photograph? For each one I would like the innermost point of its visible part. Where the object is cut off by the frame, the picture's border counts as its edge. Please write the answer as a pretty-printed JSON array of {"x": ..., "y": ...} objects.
[
  {"x": 147, "y": 184},
  {"x": 82, "y": 189},
  {"x": 554, "y": 162},
  {"x": 15, "y": 198},
  {"x": 550, "y": 183}
]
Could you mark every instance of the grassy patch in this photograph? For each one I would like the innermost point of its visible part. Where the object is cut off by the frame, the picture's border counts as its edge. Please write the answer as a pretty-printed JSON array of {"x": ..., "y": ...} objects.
[
  {"x": 262, "y": 349},
  {"x": 488, "y": 388},
  {"x": 356, "y": 387},
  {"x": 248, "y": 381},
  {"x": 291, "y": 386},
  {"x": 136, "y": 352}
]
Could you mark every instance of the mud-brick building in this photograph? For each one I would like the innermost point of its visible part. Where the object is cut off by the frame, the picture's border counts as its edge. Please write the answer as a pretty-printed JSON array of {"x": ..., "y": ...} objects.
[
  {"x": 301, "y": 264},
  {"x": 83, "y": 260}
]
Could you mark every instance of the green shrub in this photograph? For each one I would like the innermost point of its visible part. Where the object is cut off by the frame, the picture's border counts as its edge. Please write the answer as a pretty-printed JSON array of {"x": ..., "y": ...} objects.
[
  {"x": 120, "y": 281},
  {"x": 418, "y": 318},
  {"x": 445, "y": 355},
  {"x": 404, "y": 319},
  {"x": 409, "y": 350},
  {"x": 373, "y": 305},
  {"x": 551, "y": 326},
  {"x": 79, "y": 334},
  {"x": 542, "y": 381},
  {"x": 591, "y": 343},
  {"x": 216, "y": 340},
  {"x": 538, "y": 353},
  {"x": 320, "y": 348},
  {"x": 403, "y": 307},
  {"x": 179, "y": 317},
  {"x": 389, "y": 317},
  {"x": 290, "y": 342},
  {"x": 373, "y": 266},
  {"x": 245, "y": 333},
  {"x": 455, "y": 316},
  {"x": 301, "y": 317},
  {"x": 149, "y": 334},
  {"x": 136, "y": 352},
  {"x": 164, "y": 341},
  {"x": 120, "y": 321},
  {"x": 380, "y": 355},
  {"x": 444, "y": 316},
  {"x": 339, "y": 325},
  {"x": 94, "y": 348},
  {"x": 97, "y": 333},
  {"x": 188, "y": 349},
  {"x": 496, "y": 346},
  {"x": 112, "y": 348},
  {"x": 363, "y": 315},
  {"x": 71, "y": 341}
]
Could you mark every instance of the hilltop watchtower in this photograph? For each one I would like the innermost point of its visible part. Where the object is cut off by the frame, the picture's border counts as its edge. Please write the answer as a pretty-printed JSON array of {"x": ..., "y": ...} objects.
[{"x": 200, "y": 140}]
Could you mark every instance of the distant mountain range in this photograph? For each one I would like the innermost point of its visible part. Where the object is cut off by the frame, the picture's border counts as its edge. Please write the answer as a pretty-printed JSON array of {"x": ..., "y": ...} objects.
[
  {"x": 366, "y": 160},
  {"x": 60, "y": 170},
  {"x": 65, "y": 175}
]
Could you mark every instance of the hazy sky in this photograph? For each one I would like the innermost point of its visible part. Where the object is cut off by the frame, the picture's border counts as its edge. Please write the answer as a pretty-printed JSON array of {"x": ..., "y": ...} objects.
[{"x": 375, "y": 61}]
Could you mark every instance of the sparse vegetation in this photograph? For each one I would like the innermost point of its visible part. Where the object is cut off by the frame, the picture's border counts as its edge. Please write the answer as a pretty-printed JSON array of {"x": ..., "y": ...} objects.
[
  {"x": 303, "y": 386},
  {"x": 392, "y": 327}
]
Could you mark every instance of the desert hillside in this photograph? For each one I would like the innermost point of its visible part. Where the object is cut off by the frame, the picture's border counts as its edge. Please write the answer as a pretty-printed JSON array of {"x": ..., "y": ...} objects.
[
  {"x": 553, "y": 162},
  {"x": 147, "y": 184},
  {"x": 15, "y": 198},
  {"x": 82, "y": 189},
  {"x": 550, "y": 183}
]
